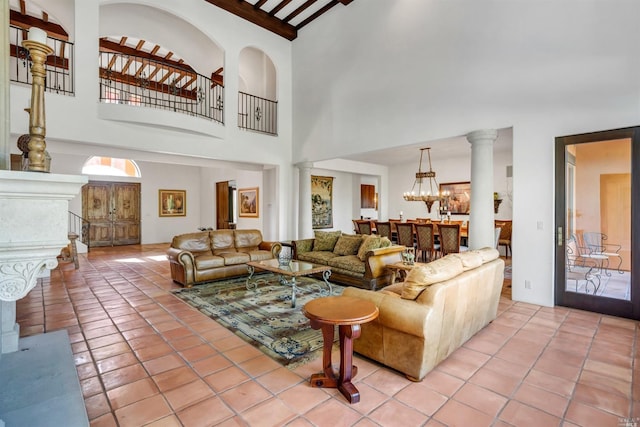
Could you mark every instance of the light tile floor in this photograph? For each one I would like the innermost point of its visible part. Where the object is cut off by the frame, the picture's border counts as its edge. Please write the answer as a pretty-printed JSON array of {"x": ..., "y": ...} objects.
[{"x": 146, "y": 358}]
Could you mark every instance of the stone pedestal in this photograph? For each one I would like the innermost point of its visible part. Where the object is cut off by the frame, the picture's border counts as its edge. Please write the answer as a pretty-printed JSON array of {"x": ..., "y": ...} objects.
[{"x": 34, "y": 226}]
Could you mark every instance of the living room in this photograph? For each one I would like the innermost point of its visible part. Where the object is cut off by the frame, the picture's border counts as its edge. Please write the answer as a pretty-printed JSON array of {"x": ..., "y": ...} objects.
[{"x": 374, "y": 75}]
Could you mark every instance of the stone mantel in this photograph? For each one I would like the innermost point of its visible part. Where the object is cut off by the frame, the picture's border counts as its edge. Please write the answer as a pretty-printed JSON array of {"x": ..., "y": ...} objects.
[{"x": 33, "y": 228}]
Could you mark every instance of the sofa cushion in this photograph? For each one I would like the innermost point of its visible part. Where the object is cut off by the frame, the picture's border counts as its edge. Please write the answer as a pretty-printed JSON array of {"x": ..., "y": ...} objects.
[
  {"x": 222, "y": 241},
  {"x": 423, "y": 275},
  {"x": 260, "y": 255},
  {"x": 247, "y": 240},
  {"x": 233, "y": 258},
  {"x": 317, "y": 257},
  {"x": 347, "y": 245},
  {"x": 193, "y": 242},
  {"x": 369, "y": 243},
  {"x": 326, "y": 240},
  {"x": 469, "y": 259},
  {"x": 348, "y": 262},
  {"x": 488, "y": 254},
  {"x": 205, "y": 262}
]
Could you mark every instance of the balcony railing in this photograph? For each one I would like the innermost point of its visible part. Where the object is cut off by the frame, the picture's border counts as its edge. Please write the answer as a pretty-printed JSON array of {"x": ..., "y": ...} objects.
[
  {"x": 133, "y": 80},
  {"x": 257, "y": 114},
  {"x": 59, "y": 65}
]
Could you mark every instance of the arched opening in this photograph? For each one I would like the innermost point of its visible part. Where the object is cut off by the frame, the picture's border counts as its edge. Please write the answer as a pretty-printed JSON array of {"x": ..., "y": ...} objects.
[
  {"x": 111, "y": 166},
  {"x": 257, "y": 103}
]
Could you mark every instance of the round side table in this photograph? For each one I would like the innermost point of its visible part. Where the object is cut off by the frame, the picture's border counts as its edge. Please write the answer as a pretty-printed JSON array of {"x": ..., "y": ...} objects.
[{"x": 348, "y": 313}]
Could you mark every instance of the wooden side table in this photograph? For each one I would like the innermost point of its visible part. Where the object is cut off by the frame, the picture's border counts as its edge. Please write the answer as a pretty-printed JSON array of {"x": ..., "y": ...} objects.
[
  {"x": 400, "y": 270},
  {"x": 348, "y": 313}
]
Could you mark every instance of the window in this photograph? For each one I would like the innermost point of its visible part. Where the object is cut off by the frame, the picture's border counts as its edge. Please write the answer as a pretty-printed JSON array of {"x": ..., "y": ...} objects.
[{"x": 110, "y": 166}]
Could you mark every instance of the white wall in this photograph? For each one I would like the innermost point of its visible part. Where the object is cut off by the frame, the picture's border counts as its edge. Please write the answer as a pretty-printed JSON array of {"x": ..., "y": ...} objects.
[
  {"x": 82, "y": 121},
  {"x": 381, "y": 74}
]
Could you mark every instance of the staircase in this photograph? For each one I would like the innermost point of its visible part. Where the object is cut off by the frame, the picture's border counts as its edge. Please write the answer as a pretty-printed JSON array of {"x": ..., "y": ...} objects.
[{"x": 78, "y": 235}]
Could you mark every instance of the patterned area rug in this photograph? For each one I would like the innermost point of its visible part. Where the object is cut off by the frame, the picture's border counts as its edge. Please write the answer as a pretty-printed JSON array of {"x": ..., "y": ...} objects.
[{"x": 264, "y": 317}]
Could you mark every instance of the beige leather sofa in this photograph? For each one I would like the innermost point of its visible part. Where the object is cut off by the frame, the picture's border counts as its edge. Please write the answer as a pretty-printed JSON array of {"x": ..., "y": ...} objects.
[
  {"x": 438, "y": 307},
  {"x": 356, "y": 260},
  {"x": 217, "y": 254}
]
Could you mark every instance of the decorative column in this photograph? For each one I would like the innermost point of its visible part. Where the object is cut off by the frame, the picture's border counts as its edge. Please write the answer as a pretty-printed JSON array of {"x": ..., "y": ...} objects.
[
  {"x": 305, "y": 227},
  {"x": 481, "y": 217},
  {"x": 38, "y": 50}
]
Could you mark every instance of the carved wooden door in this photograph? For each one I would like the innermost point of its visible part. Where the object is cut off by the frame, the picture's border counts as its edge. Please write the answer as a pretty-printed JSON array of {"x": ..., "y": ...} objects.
[{"x": 113, "y": 209}]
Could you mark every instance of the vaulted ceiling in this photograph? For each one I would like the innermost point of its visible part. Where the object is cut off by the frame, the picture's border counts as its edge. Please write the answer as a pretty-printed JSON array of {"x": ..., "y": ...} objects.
[{"x": 283, "y": 17}]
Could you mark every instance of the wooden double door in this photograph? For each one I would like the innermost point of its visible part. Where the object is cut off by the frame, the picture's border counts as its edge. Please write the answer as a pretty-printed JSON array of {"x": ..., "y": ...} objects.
[{"x": 113, "y": 210}]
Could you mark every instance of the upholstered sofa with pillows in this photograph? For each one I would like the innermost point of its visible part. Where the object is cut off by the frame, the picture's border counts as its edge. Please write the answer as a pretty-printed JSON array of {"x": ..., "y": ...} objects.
[
  {"x": 356, "y": 260},
  {"x": 438, "y": 307},
  {"x": 216, "y": 254}
]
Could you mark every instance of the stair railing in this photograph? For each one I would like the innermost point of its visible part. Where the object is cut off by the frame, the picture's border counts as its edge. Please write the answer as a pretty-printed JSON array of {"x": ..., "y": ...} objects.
[{"x": 80, "y": 227}]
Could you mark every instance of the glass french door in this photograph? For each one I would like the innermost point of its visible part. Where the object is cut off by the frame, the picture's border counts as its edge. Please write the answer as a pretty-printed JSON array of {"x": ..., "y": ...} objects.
[{"x": 595, "y": 226}]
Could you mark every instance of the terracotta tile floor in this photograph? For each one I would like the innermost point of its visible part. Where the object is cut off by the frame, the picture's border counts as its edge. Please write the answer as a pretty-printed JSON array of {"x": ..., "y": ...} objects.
[{"x": 146, "y": 358}]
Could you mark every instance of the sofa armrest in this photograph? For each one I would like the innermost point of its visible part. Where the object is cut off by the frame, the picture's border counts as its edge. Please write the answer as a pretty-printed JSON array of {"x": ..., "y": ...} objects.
[
  {"x": 274, "y": 247},
  {"x": 182, "y": 266},
  {"x": 301, "y": 246},
  {"x": 403, "y": 315},
  {"x": 376, "y": 260}
]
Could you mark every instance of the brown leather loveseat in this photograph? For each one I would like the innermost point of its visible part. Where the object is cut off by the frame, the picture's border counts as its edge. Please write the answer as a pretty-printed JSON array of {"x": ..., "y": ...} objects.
[{"x": 216, "y": 254}]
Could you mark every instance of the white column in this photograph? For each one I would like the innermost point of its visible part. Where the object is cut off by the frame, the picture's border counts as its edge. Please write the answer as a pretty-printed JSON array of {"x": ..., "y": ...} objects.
[
  {"x": 5, "y": 117},
  {"x": 481, "y": 219},
  {"x": 305, "y": 227}
]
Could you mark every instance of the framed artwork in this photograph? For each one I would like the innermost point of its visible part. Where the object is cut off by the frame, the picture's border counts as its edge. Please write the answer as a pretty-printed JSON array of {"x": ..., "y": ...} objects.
[
  {"x": 248, "y": 202},
  {"x": 459, "y": 200},
  {"x": 172, "y": 202},
  {"x": 322, "y": 201}
]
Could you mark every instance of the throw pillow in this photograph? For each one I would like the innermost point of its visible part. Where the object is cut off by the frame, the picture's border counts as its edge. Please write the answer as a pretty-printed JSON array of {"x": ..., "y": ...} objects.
[
  {"x": 347, "y": 245},
  {"x": 385, "y": 242},
  {"x": 369, "y": 243},
  {"x": 326, "y": 240},
  {"x": 423, "y": 275}
]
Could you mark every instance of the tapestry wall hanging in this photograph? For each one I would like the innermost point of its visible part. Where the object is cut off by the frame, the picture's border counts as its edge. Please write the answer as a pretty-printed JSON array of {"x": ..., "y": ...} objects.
[{"x": 322, "y": 201}]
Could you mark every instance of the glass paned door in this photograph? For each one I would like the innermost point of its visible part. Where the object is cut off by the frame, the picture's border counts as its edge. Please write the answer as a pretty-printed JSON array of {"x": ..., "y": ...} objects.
[{"x": 594, "y": 262}]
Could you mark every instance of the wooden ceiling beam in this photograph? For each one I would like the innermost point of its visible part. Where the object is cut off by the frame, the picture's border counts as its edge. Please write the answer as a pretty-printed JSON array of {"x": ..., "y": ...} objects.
[
  {"x": 257, "y": 16},
  {"x": 299, "y": 10},
  {"x": 279, "y": 7},
  {"x": 319, "y": 12},
  {"x": 109, "y": 46},
  {"x": 139, "y": 45},
  {"x": 26, "y": 22}
]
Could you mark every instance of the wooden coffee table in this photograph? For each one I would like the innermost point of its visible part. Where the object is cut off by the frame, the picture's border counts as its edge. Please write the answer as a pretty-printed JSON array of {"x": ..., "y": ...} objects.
[
  {"x": 348, "y": 313},
  {"x": 287, "y": 274}
]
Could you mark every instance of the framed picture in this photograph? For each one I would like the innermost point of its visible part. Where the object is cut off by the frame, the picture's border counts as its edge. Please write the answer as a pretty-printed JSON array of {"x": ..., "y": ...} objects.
[
  {"x": 322, "y": 201},
  {"x": 459, "y": 200},
  {"x": 172, "y": 202},
  {"x": 248, "y": 202}
]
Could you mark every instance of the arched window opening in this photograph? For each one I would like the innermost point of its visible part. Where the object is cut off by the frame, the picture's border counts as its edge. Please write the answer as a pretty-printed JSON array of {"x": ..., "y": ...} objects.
[
  {"x": 257, "y": 103},
  {"x": 111, "y": 166}
]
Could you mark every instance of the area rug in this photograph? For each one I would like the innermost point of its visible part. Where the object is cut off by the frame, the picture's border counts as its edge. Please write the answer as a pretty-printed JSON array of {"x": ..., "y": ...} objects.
[{"x": 264, "y": 316}]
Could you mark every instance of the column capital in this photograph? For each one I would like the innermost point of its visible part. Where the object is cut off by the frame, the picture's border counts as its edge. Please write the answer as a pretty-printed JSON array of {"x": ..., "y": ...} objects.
[
  {"x": 304, "y": 165},
  {"x": 482, "y": 135}
]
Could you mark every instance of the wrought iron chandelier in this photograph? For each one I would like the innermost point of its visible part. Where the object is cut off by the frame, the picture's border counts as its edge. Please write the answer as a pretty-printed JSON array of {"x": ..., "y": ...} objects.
[{"x": 431, "y": 196}]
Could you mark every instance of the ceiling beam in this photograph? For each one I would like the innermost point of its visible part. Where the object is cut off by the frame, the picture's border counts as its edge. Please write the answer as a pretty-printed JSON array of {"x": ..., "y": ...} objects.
[
  {"x": 109, "y": 46},
  {"x": 319, "y": 12},
  {"x": 26, "y": 22},
  {"x": 299, "y": 10},
  {"x": 279, "y": 7},
  {"x": 155, "y": 86},
  {"x": 259, "y": 17}
]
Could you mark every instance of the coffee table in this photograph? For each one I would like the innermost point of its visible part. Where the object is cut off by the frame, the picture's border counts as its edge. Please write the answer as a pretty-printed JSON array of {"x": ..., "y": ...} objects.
[
  {"x": 287, "y": 274},
  {"x": 348, "y": 313}
]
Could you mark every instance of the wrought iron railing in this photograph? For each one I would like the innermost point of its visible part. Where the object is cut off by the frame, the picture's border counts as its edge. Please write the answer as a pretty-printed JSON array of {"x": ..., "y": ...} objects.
[
  {"x": 257, "y": 114},
  {"x": 134, "y": 80},
  {"x": 80, "y": 227},
  {"x": 59, "y": 65}
]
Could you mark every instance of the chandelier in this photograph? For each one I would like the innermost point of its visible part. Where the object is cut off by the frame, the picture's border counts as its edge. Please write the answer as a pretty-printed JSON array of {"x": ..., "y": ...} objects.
[{"x": 431, "y": 195}]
